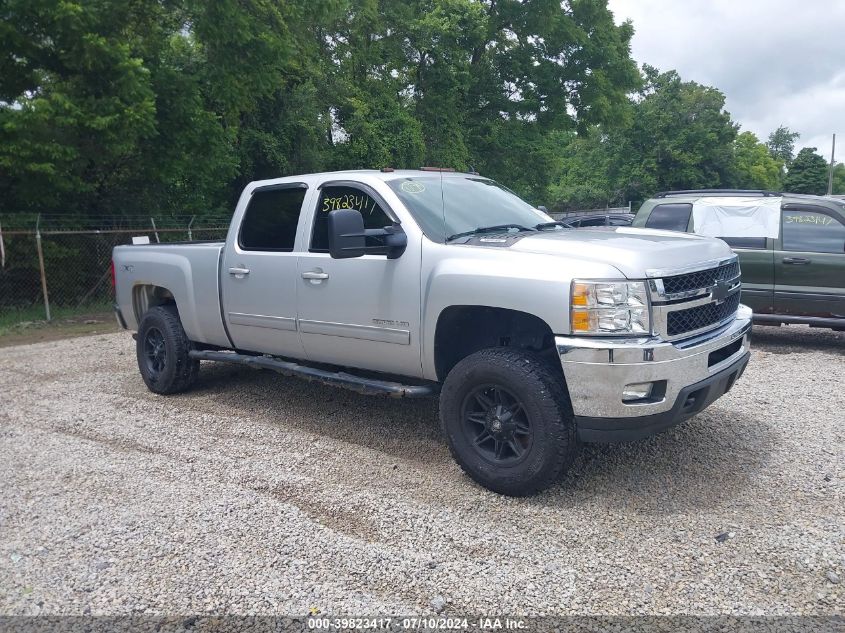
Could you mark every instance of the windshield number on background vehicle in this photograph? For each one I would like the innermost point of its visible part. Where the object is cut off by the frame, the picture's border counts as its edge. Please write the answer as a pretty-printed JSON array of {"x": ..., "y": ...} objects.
[{"x": 808, "y": 219}]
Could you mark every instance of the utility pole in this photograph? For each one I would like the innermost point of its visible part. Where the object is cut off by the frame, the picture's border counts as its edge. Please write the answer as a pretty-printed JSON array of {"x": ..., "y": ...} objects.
[{"x": 830, "y": 173}]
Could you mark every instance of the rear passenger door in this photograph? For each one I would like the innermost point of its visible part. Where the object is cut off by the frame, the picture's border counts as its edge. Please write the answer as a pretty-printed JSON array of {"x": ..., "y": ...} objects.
[
  {"x": 259, "y": 272},
  {"x": 810, "y": 262}
]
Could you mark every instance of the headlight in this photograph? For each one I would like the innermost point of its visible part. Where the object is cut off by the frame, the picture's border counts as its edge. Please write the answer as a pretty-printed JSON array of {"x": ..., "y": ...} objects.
[{"x": 609, "y": 307}]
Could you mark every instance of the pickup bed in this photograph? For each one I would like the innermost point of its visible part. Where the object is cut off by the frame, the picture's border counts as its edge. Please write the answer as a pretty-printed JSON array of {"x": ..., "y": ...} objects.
[{"x": 416, "y": 283}]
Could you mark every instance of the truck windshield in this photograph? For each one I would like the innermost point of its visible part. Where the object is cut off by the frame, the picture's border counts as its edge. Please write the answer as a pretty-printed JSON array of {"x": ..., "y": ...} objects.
[{"x": 455, "y": 205}]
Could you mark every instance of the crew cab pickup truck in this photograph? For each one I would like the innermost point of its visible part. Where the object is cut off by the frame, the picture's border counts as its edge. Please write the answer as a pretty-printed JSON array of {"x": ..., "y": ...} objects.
[
  {"x": 795, "y": 275},
  {"x": 416, "y": 283}
]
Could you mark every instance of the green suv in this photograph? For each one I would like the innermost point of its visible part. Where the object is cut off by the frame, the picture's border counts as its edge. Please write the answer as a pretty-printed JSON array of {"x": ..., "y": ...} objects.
[{"x": 796, "y": 277}]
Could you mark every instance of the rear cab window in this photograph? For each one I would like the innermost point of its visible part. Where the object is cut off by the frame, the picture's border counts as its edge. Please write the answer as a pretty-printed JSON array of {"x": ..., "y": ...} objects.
[
  {"x": 271, "y": 218},
  {"x": 674, "y": 216}
]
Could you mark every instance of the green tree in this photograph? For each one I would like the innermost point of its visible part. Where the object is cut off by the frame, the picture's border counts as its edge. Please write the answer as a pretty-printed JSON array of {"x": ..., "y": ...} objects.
[
  {"x": 106, "y": 106},
  {"x": 76, "y": 99},
  {"x": 367, "y": 78},
  {"x": 839, "y": 179},
  {"x": 807, "y": 173},
  {"x": 781, "y": 144},
  {"x": 679, "y": 137},
  {"x": 682, "y": 137},
  {"x": 587, "y": 178},
  {"x": 263, "y": 74},
  {"x": 756, "y": 168},
  {"x": 114, "y": 107},
  {"x": 489, "y": 83}
]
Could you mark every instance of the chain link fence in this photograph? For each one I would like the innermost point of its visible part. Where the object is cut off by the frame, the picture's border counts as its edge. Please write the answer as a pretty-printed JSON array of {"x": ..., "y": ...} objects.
[
  {"x": 50, "y": 270},
  {"x": 59, "y": 266}
]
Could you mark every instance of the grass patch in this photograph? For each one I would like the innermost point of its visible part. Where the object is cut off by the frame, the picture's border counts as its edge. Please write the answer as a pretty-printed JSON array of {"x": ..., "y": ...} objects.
[{"x": 20, "y": 321}]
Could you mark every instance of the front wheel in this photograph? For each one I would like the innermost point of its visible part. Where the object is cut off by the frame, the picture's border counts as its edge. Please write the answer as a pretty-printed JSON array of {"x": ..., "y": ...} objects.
[
  {"x": 508, "y": 421},
  {"x": 162, "y": 348}
]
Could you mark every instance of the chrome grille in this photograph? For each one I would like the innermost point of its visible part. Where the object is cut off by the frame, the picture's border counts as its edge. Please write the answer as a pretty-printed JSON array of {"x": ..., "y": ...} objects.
[
  {"x": 689, "y": 303},
  {"x": 700, "y": 278},
  {"x": 683, "y": 321}
]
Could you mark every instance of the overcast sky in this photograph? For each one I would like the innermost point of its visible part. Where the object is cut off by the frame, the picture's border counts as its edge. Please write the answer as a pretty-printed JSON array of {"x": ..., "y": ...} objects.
[{"x": 776, "y": 61}]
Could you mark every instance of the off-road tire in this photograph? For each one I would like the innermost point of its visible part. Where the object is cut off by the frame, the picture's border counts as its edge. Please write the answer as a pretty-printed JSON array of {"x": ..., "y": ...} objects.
[
  {"x": 179, "y": 371},
  {"x": 542, "y": 394}
]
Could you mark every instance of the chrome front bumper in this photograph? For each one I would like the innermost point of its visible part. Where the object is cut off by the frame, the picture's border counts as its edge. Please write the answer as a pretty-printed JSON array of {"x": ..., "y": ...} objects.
[{"x": 597, "y": 371}]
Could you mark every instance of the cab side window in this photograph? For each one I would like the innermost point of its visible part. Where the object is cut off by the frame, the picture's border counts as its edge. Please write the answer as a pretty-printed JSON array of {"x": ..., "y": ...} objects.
[
  {"x": 270, "y": 221},
  {"x": 332, "y": 198},
  {"x": 812, "y": 231},
  {"x": 670, "y": 217}
]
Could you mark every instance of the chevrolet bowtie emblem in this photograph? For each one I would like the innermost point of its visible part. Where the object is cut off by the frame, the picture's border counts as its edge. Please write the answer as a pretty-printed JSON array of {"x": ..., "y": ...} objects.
[{"x": 720, "y": 291}]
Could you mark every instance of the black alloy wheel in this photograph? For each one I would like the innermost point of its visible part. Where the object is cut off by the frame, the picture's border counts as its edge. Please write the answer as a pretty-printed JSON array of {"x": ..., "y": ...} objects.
[
  {"x": 163, "y": 351},
  {"x": 508, "y": 421},
  {"x": 155, "y": 351},
  {"x": 497, "y": 425}
]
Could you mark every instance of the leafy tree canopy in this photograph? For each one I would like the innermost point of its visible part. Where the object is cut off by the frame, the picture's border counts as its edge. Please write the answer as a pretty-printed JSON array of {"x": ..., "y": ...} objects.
[
  {"x": 678, "y": 137},
  {"x": 781, "y": 144},
  {"x": 756, "y": 168},
  {"x": 839, "y": 179},
  {"x": 113, "y": 107},
  {"x": 807, "y": 173}
]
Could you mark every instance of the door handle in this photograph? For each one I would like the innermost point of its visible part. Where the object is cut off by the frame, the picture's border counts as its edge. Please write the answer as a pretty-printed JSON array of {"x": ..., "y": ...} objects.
[
  {"x": 799, "y": 261},
  {"x": 239, "y": 271},
  {"x": 314, "y": 274}
]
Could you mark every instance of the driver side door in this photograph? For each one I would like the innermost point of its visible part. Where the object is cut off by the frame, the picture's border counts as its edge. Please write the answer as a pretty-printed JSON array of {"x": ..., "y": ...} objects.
[
  {"x": 810, "y": 262},
  {"x": 359, "y": 312}
]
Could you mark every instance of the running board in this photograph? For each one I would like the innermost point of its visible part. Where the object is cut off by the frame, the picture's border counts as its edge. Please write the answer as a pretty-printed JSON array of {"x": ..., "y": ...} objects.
[
  {"x": 368, "y": 386},
  {"x": 774, "y": 319}
]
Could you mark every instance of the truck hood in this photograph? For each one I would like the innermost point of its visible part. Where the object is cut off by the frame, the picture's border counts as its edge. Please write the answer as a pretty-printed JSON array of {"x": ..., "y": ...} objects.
[{"x": 632, "y": 251}]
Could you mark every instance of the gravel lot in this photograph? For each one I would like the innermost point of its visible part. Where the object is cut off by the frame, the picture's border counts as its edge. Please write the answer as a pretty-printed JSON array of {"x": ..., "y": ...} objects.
[{"x": 260, "y": 494}]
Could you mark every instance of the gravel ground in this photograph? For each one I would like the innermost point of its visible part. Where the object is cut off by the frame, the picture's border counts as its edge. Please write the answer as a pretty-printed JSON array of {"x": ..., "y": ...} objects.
[{"x": 260, "y": 494}]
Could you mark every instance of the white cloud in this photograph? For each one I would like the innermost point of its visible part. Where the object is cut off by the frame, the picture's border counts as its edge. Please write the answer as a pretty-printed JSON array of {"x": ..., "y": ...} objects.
[{"x": 776, "y": 61}]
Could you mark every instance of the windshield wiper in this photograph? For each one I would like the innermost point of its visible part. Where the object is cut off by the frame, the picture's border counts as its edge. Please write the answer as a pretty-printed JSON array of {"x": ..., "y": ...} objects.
[
  {"x": 488, "y": 229},
  {"x": 548, "y": 225}
]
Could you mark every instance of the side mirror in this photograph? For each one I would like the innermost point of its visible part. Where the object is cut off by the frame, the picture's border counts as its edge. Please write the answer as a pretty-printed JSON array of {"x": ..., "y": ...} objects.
[
  {"x": 348, "y": 237},
  {"x": 346, "y": 233},
  {"x": 543, "y": 209}
]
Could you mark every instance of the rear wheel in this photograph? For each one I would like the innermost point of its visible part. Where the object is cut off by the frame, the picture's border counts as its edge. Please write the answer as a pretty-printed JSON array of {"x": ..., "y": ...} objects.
[
  {"x": 508, "y": 421},
  {"x": 162, "y": 349}
]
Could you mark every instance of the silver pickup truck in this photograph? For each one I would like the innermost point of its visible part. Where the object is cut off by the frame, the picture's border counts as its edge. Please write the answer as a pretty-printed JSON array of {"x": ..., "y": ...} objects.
[{"x": 417, "y": 282}]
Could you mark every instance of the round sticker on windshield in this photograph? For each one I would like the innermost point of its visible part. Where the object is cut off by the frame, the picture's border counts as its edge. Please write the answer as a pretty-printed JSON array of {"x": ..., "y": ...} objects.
[{"x": 412, "y": 186}]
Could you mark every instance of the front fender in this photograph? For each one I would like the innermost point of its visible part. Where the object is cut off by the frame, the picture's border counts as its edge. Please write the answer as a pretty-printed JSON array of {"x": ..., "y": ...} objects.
[{"x": 536, "y": 284}]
